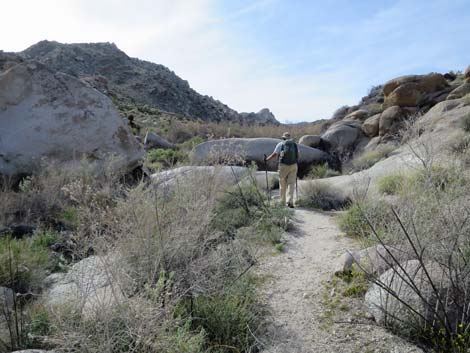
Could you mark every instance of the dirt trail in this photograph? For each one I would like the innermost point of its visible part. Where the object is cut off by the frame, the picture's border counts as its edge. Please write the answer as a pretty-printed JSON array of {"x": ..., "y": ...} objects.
[{"x": 295, "y": 293}]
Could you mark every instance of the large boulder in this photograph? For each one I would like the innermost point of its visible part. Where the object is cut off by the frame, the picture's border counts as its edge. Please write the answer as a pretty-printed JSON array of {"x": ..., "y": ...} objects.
[
  {"x": 310, "y": 140},
  {"x": 460, "y": 91},
  {"x": 342, "y": 135},
  {"x": 89, "y": 286},
  {"x": 51, "y": 115},
  {"x": 246, "y": 150},
  {"x": 340, "y": 113},
  {"x": 375, "y": 259},
  {"x": 359, "y": 115},
  {"x": 153, "y": 140},
  {"x": 446, "y": 116},
  {"x": 404, "y": 281},
  {"x": 218, "y": 174},
  {"x": 370, "y": 127},
  {"x": 390, "y": 117},
  {"x": 412, "y": 90}
]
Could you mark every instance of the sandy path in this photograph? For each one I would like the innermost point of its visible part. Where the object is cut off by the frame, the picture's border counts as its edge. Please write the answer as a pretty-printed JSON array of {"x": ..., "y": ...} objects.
[{"x": 295, "y": 289}]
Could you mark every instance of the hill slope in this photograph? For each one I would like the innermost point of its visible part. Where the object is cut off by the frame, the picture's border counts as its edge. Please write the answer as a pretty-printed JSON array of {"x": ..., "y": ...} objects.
[{"x": 130, "y": 80}]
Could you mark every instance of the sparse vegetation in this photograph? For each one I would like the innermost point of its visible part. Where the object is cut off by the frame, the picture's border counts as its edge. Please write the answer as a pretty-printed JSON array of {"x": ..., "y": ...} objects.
[
  {"x": 355, "y": 221},
  {"x": 368, "y": 159},
  {"x": 321, "y": 171},
  {"x": 160, "y": 158},
  {"x": 465, "y": 123},
  {"x": 323, "y": 196},
  {"x": 390, "y": 184},
  {"x": 184, "y": 263}
]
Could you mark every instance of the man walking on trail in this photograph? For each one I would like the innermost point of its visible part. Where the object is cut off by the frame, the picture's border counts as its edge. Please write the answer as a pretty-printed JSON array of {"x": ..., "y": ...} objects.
[{"x": 288, "y": 153}]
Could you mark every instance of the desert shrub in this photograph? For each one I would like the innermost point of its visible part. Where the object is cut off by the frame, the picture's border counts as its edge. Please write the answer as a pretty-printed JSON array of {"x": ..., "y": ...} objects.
[
  {"x": 169, "y": 253},
  {"x": 271, "y": 225},
  {"x": 230, "y": 319},
  {"x": 429, "y": 222},
  {"x": 357, "y": 283},
  {"x": 163, "y": 157},
  {"x": 36, "y": 324},
  {"x": 191, "y": 143},
  {"x": 323, "y": 196},
  {"x": 321, "y": 171},
  {"x": 390, "y": 184},
  {"x": 368, "y": 159},
  {"x": 24, "y": 263},
  {"x": 465, "y": 123},
  {"x": 245, "y": 205},
  {"x": 274, "y": 184},
  {"x": 355, "y": 222},
  {"x": 52, "y": 196},
  {"x": 433, "y": 177}
]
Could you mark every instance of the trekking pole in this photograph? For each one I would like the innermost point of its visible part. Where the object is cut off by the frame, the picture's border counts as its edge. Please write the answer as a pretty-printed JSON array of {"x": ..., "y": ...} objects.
[
  {"x": 296, "y": 189},
  {"x": 268, "y": 191}
]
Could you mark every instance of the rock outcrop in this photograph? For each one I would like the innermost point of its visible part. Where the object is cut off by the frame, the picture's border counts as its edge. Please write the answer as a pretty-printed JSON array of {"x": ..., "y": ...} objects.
[
  {"x": 245, "y": 150},
  {"x": 389, "y": 118},
  {"x": 310, "y": 140},
  {"x": 466, "y": 74},
  {"x": 370, "y": 127},
  {"x": 153, "y": 140},
  {"x": 89, "y": 286},
  {"x": 52, "y": 115},
  {"x": 412, "y": 90},
  {"x": 342, "y": 135},
  {"x": 374, "y": 260},
  {"x": 128, "y": 79},
  {"x": 387, "y": 309},
  {"x": 460, "y": 91},
  {"x": 264, "y": 116},
  {"x": 178, "y": 176}
]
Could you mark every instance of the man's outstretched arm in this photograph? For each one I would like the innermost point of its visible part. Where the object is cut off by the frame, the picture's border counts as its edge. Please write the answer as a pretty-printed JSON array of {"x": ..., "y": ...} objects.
[{"x": 271, "y": 156}]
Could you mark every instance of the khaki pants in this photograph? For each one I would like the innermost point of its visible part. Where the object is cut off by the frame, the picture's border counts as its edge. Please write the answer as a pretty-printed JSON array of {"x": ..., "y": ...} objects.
[{"x": 287, "y": 178}]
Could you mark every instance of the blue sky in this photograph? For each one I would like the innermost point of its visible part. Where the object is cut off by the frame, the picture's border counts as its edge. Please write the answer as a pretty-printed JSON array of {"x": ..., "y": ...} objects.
[{"x": 302, "y": 59}]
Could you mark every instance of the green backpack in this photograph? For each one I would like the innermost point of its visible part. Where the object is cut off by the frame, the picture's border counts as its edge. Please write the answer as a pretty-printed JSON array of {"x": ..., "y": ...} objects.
[{"x": 288, "y": 153}]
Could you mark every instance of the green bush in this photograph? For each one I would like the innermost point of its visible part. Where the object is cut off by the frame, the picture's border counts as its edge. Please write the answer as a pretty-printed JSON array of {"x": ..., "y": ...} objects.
[
  {"x": 390, "y": 184},
  {"x": 191, "y": 143},
  {"x": 38, "y": 324},
  {"x": 321, "y": 171},
  {"x": 465, "y": 123},
  {"x": 44, "y": 239},
  {"x": 354, "y": 221},
  {"x": 230, "y": 319},
  {"x": 165, "y": 157},
  {"x": 24, "y": 263},
  {"x": 322, "y": 196}
]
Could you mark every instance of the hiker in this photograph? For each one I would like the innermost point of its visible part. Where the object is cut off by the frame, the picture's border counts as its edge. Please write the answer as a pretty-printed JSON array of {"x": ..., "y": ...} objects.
[{"x": 288, "y": 154}]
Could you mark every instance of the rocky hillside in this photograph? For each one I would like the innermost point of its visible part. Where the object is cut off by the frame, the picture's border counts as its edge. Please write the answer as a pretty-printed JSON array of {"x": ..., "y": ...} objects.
[
  {"x": 129, "y": 80},
  {"x": 381, "y": 117}
]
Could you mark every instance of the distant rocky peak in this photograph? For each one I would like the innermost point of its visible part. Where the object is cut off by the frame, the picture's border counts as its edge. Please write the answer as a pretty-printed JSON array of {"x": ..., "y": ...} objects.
[
  {"x": 126, "y": 79},
  {"x": 264, "y": 116}
]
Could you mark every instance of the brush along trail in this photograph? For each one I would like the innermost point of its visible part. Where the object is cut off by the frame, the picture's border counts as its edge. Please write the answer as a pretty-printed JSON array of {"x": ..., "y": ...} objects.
[{"x": 310, "y": 312}]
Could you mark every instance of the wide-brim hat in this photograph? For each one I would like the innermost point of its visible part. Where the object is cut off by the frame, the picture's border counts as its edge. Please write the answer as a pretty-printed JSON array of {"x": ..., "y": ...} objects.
[{"x": 286, "y": 135}]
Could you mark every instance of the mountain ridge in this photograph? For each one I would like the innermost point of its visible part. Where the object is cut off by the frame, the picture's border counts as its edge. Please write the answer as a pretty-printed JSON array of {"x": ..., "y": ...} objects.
[{"x": 132, "y": 80}]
